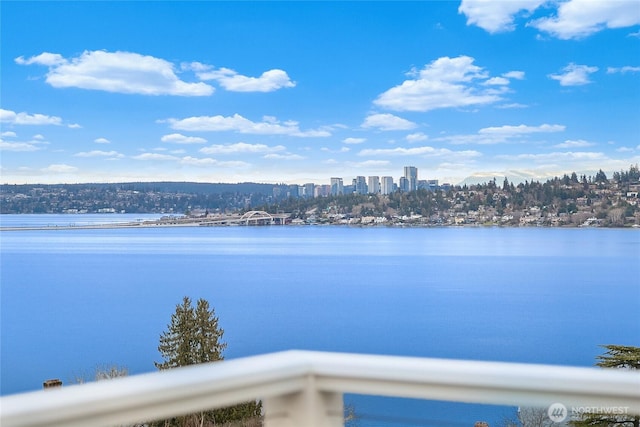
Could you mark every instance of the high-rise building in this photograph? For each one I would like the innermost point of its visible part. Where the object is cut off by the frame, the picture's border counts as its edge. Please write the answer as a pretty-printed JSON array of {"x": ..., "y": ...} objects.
[
  {"x": 403, "y": 184},
  {"x": 309, "y": 190},
  {"x": 294, "y": 191},
  {"x": 361, "y": 185},
  {"x": 337, "y": 187},
  {"x": 386, "y": 185},
  {"x": 411, "y": 175},
  {"x": 322, "y": 190},
  {"x": 373, "y": 185}
]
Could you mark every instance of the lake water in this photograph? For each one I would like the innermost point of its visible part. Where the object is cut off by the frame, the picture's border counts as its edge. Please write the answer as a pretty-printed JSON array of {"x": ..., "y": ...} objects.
[{"x": 75, "y": 299}]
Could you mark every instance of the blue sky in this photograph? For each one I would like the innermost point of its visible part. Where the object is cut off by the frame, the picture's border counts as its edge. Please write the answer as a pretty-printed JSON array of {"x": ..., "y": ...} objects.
[{"x": 303, "y": 91}]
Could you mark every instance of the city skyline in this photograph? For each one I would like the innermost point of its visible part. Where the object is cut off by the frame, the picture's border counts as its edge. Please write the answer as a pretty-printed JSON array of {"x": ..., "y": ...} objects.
[
  {"x": 299, "y": 92},
  {"x": 371, "y": 184}
]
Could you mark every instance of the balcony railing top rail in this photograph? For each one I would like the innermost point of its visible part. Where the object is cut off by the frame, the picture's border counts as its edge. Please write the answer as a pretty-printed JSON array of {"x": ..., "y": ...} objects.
[{"x": 302, "y": 388}]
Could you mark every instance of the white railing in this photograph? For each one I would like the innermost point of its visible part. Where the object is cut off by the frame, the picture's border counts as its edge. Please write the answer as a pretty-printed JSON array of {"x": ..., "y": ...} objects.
[{"x": 301, "y": 388}]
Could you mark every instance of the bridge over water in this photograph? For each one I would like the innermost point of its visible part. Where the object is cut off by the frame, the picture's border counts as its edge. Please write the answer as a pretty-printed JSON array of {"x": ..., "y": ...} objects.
[{"x": 249, "y": 218}]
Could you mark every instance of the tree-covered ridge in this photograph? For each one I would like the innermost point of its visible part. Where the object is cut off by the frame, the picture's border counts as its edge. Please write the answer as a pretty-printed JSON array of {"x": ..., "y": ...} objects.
[{"x": 151, "y": 197}]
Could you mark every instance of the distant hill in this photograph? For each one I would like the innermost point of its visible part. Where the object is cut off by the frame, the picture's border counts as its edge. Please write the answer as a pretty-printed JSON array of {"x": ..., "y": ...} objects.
[
  {"x": 136, "y": 197},
  {"x": 161, "y": 187}
]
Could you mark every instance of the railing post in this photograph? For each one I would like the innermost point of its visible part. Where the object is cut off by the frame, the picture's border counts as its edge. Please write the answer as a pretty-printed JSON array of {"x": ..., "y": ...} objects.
[{"x": 309, "y": 408}]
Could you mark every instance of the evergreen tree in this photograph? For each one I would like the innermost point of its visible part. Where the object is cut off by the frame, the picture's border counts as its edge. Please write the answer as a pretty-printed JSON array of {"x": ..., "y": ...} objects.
[
  {"x": 601, "y": 177},
  {"x": 620, "y": 356},
  {"x": 616, "y": 357},
  {"x": 194, "y": 336},
  {"x": 178, "y": 341},
  {"x": 207, "y": 334}
]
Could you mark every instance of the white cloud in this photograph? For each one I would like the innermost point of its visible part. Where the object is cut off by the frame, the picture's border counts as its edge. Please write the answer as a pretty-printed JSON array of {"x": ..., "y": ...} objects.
[
  {"x": 623, "y": 70},
  {"x": 341, "y": 150},
  {"x": 443, "y": 83},
  {"x": 269, "y": 81},
  {"x": 177, "y": 138},
  {"x": 573, "y": 19},
  {"x": 18, "y": 146},
  {"x": 34, "y": 144},
  {"x": 518, "y": 75},
  {"x": 509, "y": 130},
  {"x": 207, "y": 161},
  {"x": 416, "y": 137},
  {"x": 59, "y": 168},
  {"x": 283, "y": 156},
  {"x": 155, "y": 156},
  {"x": 120, "y": 72},
  {"x": 11, "y": 117},
  {"x": 501, "y": 134},
  {"x": 496, "y": 16},
  {"x": 511, "y": 105},
  {"x": 237, "y": 123},
  {"x": 241, "y": 147},
  {"x": 102, "y": 141},
  {"x": 387, "y": 122},
  {"x": 74, "y": 126},
  {"x": 496, "y": 81},
  {"x": 574, "y": 75},
  {"x": 574, "y": 143},
  {"x": 354, "y": 141},
  {"x": 99, "y": 153},
  {"x": 625, "y": 150},
  {"x": 581, "y": 18},
  {"x": 45, "y": 58},
  {"x": 555, "y": 156},
  {"x": 200, "y": 162},
  {"x": 424, "y": 151}
]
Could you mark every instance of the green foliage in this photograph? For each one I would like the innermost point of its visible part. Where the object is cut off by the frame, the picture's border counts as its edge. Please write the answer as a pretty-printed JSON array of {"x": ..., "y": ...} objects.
[
  {"x": 620, "y": 356},
  {"x": 616, "y": 357},
  {"x": 194, "y": 336}
]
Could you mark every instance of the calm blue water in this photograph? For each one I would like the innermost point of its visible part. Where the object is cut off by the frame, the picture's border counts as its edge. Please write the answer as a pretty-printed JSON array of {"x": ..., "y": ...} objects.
[
  {"x": 74, "y": 299},
  {"x": 66, "y": 220}
]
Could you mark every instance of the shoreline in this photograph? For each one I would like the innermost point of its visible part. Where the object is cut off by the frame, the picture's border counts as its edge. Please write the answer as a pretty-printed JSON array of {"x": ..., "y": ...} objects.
[{"x": 174, "y": 224}]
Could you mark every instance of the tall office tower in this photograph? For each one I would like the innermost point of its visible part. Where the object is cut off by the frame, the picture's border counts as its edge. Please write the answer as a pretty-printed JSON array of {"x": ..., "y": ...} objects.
[
  {"x": 294, "y": 191},
  {"x": 337, "y": 187},
  {"x": 403, "y": 184},
  {"x": 411, "y": 174},
  {"x": 309, "y": 190},
  {"x": 373, "y": 184},
  {"x": 386, "y": 185},
  {"x": 322, "y": 190},
  {"x": 361, "y": 185}
]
